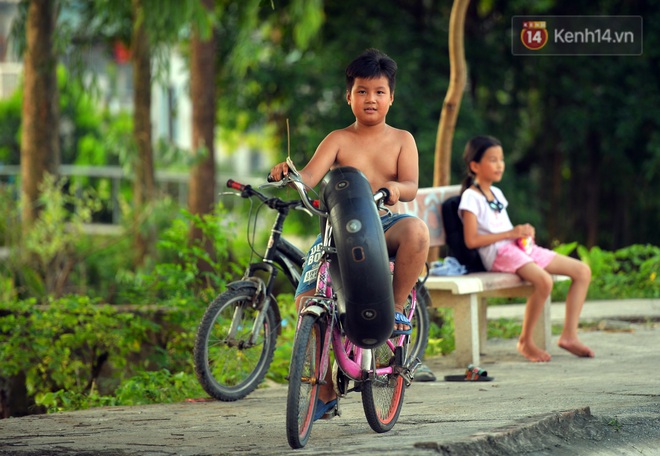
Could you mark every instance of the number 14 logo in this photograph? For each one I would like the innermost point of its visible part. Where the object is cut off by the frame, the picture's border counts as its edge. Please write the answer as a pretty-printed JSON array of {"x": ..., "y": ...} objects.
[{"x": 534, "y": 35}]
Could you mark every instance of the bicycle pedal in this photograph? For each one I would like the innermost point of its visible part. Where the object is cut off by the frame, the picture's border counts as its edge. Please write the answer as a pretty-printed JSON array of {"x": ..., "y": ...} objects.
[
  {"x": 414, "y": 365},
  {"x": 408, "y": 372}
]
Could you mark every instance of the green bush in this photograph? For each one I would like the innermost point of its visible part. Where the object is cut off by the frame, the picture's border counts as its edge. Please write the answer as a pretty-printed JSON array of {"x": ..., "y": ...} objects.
[
  {"x": 64, "y": 344},
  {"x": 147, "y": 387},
  {"x": 628, "y": 273}
]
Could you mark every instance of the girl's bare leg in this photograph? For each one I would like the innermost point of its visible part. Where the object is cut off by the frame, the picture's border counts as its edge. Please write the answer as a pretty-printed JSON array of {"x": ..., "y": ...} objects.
[
  {"x": 580, "y": 275},
  {"x": 408, "y": 240},
  {"x": 542, "y": 283}
]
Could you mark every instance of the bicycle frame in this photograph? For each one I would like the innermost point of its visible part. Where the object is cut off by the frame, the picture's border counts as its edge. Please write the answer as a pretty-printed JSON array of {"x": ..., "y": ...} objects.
[
  {"x": 278, "y": 252},
  {"x": 322, "y": 304}
]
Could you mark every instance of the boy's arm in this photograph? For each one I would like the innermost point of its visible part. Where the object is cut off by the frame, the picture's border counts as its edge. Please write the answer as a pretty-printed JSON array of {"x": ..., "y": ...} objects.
[
  {"x": 323, "y": 159},
  {"x": 407, "y": 183}
]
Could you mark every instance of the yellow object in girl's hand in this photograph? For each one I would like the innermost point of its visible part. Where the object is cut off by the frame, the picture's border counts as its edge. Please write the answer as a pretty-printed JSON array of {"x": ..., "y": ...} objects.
[{"x": 526, "y": 244}]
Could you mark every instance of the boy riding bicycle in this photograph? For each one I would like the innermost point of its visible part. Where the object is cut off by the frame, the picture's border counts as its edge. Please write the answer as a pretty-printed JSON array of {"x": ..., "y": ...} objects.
[{"x": 388, "y": 158}]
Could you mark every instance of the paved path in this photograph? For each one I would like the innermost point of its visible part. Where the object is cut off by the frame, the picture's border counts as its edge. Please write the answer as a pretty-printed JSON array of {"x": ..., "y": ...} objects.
[{"x": 606, "y": 405}]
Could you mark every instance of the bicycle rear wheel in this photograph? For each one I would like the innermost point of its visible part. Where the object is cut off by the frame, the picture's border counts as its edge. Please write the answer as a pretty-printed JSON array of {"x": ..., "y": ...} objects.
[
  {"x": 419, "y": 338},
  {"x": 229, "y": 368},
  {"x": 304, "y": 378},
  {"x": 382, "y": 396}
]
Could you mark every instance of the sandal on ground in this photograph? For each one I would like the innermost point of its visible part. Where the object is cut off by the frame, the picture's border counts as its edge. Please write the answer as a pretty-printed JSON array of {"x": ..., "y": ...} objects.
[
  {"x": 424, "y": 374},
  {"x": 472, "y": 374},
  {"x": 326, "y": 410},
  {"x": 401, "y": 319}
]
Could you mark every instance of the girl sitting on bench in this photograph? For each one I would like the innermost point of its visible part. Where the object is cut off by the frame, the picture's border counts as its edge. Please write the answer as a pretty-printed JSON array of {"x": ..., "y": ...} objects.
[{"x": 507, "y": 248}]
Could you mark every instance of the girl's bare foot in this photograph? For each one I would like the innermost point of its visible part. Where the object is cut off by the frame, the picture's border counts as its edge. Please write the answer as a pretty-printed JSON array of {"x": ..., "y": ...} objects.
[
  {"x": 533, "y": 353},
  {"x": 576, "y": 347}
]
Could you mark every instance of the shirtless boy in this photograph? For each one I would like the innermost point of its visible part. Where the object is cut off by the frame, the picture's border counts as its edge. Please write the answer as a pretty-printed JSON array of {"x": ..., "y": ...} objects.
[{"x": 388, "y": 158}]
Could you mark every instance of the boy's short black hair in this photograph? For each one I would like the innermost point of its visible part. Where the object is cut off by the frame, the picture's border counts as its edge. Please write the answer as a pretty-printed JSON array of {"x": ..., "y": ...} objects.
[{"x": 371, "y": 64}]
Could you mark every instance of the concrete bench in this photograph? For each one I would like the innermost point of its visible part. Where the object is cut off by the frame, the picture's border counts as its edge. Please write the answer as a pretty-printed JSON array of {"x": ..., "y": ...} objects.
[{"x": 467, "y": 294}]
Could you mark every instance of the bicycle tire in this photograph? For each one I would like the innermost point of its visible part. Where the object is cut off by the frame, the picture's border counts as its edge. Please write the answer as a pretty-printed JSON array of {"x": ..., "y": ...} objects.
[
  {"x": 421, "y": 324},
  {"x": 228, "y": 371},
  {"x": 304, "y": 378},
  {"x": 382, "y": 396}
]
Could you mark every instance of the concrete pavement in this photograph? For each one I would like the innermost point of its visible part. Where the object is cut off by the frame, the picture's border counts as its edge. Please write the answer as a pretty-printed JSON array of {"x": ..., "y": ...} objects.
[{"x": 606, "y": 405}]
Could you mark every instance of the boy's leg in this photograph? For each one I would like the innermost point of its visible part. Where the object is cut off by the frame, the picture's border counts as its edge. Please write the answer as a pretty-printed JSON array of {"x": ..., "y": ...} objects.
[
  {"x": 580, "y": 275},
  {"x": 408, "y": 241},
  {"x": 542, "y": 283}
]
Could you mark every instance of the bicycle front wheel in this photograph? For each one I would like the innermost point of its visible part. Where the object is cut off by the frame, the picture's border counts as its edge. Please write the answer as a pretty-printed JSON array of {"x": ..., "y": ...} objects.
[
  {"x": 227, "y": 364},
  {"x": 382, "y": 396},
  {"x": 304, "y": 378}
]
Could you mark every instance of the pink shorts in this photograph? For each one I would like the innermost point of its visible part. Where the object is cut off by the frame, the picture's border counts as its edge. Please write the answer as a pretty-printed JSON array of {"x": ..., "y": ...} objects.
[{"x": 510, "y": 257}]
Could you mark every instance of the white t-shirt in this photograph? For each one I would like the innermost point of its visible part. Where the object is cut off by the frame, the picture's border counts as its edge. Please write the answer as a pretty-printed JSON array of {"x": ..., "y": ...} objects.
[{"x": 489, "y": 221}]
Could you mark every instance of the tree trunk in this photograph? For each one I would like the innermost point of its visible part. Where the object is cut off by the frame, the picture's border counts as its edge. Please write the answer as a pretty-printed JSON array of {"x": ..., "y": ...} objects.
[
  {"x": 144, "y": 187},
  {"x": 14, "y": 398},
  {"x": 201, "y": 196},
  {"x": 452, "y": 103},
  {"x": 40, "y": 132}
]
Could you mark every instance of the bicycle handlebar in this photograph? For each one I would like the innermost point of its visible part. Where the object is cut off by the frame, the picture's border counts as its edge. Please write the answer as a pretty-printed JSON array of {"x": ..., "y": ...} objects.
[
  {"x": 293, "y": 178},
  {"x": 248, "y": 191}
]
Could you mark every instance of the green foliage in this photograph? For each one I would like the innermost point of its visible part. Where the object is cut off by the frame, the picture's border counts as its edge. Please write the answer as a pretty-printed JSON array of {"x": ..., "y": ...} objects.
[
  {"x": 10, "y": 122},
  {"x": 441, "y": 333},
  {"x": 279, "y": 369},
  {"x": 43, "y": 257},
  {"x": 627, "y": 273},
  {"x": 504, "y": 328},
  {"x": 158, "y": 387},
  {"x": 87, "y": 132},
  {"x": 62, "y": 345},
  {"x": 177, "y": 275},
  {"x": 615, "y": 424},
  {"x": 147, "y": 387},
  {"x": 631, "y": 272},
  {"x": 564, "y": 136}
]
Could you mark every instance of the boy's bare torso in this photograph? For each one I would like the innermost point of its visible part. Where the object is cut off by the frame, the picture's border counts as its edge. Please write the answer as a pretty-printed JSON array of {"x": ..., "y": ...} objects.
[{"x": 375, "y": 153}]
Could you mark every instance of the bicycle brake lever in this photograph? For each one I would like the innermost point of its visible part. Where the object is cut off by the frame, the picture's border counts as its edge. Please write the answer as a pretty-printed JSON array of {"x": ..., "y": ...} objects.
[
  {"x": 292, "y": 176},
  {"x": 292, "y": 167},
  {"x": 305, "y": 210},
  {"x": 275, "y": 184}
]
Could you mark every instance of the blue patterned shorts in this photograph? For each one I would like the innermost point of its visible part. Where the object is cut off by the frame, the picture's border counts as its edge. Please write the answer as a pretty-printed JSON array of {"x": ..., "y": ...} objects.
[{"x": 310, "y": 270}]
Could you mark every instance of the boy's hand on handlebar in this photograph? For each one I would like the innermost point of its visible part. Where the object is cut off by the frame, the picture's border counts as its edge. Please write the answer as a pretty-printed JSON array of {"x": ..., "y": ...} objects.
[
  {"x": 395, "y": 193},
  {"x": 278, "y": 172}
]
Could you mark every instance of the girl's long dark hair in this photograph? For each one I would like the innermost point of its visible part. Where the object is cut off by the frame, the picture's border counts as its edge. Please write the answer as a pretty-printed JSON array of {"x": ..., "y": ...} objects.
[{"x": 474, "y": 152}]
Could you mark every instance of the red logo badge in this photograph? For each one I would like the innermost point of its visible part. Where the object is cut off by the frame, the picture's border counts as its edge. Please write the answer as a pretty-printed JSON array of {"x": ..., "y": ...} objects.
[{"x": 534, "y": 35}]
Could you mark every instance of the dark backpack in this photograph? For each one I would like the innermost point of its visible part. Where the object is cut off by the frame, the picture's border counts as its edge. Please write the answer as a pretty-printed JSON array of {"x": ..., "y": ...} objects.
[{"x": 454, "y": 236}]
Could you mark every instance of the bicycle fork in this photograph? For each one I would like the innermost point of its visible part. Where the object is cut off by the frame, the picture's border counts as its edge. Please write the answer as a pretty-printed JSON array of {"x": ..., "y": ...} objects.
[
  {"x": 320, "y": 308},
  {"x": 260, "y": 303}
]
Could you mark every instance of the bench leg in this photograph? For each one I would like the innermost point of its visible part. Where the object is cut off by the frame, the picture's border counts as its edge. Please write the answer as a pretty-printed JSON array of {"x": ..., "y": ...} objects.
[
  {"x": 483, "y": 325},
  {"x": 542, "y": 332},
  {"x": 466, "y": 331}
]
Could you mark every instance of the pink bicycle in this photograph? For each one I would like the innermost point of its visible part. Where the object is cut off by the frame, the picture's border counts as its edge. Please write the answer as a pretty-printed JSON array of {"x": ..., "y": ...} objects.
[{"x": 379, "y": 367}]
